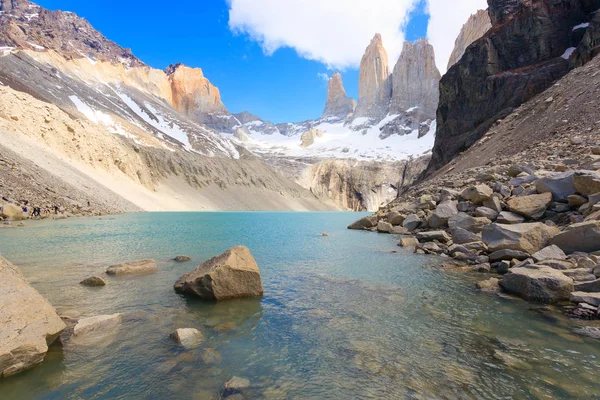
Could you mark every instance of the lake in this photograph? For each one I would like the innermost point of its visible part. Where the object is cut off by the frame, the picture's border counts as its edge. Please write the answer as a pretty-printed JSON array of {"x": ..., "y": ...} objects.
[{"x": 347, "y": 316}]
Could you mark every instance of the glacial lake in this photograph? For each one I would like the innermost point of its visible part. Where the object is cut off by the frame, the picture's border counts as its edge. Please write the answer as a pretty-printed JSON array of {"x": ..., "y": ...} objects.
[{"x": 343, "y": 317}]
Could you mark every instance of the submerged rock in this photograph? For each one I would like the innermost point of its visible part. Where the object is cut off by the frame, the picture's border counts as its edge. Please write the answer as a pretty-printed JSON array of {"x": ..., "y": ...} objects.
[
  {"x": 28, "y": 322},
  {"x": 230, "y": 275},
  {"x": 93, "y": 281},
  {"x": 98, "y": 323},
  {"x": 133, "y": 267},
  {"x": 491, "y": 285},
  {"x": 182, "y": 258},
  {"x": 187, "y": 337}
]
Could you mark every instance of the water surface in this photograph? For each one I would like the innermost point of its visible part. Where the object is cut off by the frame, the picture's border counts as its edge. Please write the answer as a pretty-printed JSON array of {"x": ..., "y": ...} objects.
[{"x": 342, "y": 317}]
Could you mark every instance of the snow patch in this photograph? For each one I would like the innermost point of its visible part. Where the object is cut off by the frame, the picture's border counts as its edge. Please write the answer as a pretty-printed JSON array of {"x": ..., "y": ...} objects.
[
  {"x": 412, "y": 109},
  {"x": 568, "y": 53},
  {"x": 96, "y": 116},
  {"x": 581, "y": 26},
  {"x": 36, "y": 46},
  {"x": 6, "y": 50}
]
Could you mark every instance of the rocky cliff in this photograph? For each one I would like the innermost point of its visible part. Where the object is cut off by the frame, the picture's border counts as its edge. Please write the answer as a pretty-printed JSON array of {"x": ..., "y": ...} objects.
[
  {"x": 475, "y": 27},
  {"x": 415, "y": 80},
  {"x": 525, "y": 52},
  {"x": 374, "y": 87},
  {"x": 338, "y": 104}
]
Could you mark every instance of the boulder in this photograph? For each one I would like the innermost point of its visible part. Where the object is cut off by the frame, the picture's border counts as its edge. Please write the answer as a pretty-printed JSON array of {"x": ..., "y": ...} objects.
[
  {"x": 583, "y": 237},
  {"x": 556, "y": 264},
  {"x": 533, "y": 206},
  {"x": 509, "y": 218},
  {"x": 503, "y": 267},
  {"x": 230, "y": 275},
  {"x": 384, "y": 227},
  {"x": 400, "y": 230},
  {"x": 529, "y": 238},
  {"x": 93, "y": 281},
  {"x": 187, "y": 337},
  {"x": 576, "y": 200},
  {"x": 440, "y": 236},
  {"x": 97, "y": 324},
  {"x": 237, "y": 383},
  {"x": 584, "y": 297},
  {"x": 11, "y": 211},
  {"x": 489, "y": 286},
  {"x": 561, "y": 186},
  {"x": 589, "y": 286},
  {"x": 395, "y": 218},
  {"x": 462, "y": 236},
  {"x": 364, "y": 223},
  {"x": 28, "y": 322},
  {"x": 493, "y": 204},
  {"x": 483, "y": 267},
  {"x": 439, "y": 218},
  {"x": 587, "y": 182},
  {"x": 477, "y": 194},
  {"x": 486, "y": 213},
  {"x": 412, "y": 222},
  {"x": 133, "y": 267},
  {"x": 550, "y": 252},
  {"x": 408, "y": 242},
  {"x": 468, "y": 223},
  {"x": 544, "y": 284},
  {"x": 182, "y": 258},
  {"x": 507, "y": 254}
]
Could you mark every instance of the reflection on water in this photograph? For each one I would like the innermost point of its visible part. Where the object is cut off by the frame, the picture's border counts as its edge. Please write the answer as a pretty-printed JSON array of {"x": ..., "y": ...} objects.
[{"x": 342, "y": 317}]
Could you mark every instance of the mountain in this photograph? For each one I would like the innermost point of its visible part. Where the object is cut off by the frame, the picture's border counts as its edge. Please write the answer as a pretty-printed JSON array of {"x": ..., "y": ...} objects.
[
  {"x": 338, "y": 104},
  {"x": 374, "y": 85},
  {"x": 530, "y": 46},
  {"x": 477, "y": 25}
]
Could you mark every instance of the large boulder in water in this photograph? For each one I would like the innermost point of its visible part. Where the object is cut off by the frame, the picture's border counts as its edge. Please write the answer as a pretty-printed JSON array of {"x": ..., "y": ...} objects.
[
  {"x": 28, "y": 323},
  {"x": 231, "y": 275},
  {"x": 364, "y": 223},
  {"x": 543, "y": 284},
  {"x": 529, "y": 238},
  {"x": 133, "y": 267}
]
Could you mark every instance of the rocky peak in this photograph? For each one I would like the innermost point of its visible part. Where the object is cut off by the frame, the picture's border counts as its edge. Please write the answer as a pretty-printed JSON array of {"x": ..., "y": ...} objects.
[
  {"x": 338, "y": 104},
  {"x": 193, "y": 94},
  {"x": 11, "y": 5},
  {"x": 374, "y": 88},
  {"x": 475, "y": 27},
  {"x": 501, "y": 10},
  {"x": 245, "y": 117},
  {"x": 416, "y": 80}
]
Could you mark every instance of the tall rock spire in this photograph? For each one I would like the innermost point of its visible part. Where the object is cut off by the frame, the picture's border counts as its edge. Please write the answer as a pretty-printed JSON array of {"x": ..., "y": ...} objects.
[
  {"x": 476, "y": 26},
  {"x": 338, "y": 104},
  {"x": 374, "y": 88},
  {"x": 416, "y": 80}
]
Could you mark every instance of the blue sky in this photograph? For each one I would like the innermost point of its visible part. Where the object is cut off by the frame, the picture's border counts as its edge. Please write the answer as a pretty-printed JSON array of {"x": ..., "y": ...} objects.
[{"x": 282, "y": 87}]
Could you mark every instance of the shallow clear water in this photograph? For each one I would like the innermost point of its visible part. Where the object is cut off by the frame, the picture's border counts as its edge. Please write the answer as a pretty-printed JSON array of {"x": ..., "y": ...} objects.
[{"x": 342, "y": 317}]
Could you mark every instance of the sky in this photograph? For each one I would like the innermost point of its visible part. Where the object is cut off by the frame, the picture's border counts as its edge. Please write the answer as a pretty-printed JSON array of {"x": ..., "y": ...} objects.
[{"x": 273, "y": 57}]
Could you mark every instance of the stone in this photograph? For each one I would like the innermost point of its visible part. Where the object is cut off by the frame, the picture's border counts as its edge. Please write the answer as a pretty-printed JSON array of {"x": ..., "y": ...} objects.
[
  {"x": 516, "y": 170},
  {"x": 522, "y": 180},
  {"x": 133, "y": 267},
  {"x": 338, "y": 104},
  {"x": 507, "y": 254},
  {"x": 412, "y": 222},
  {"x": 408, "y": 242},
  {"x": 477, "y": 194},
  {"x": 462, "y": 236},
  {"x": 364, "y": 223},
  {"x": 545, "y": 284},
  {"x": 576, "y": 200},
  {"x": 486, "y": 213},
  {"x": 400, "y": 230},
  {"x": 443, "y": 212},
  {"x": 182, "y": 258},
  {"x": 232, "y": 274},
  {"x": 503, "y": 267},
  {"x": 475, "y": 27},
  {"x": 549, "y": 252},
  {"x": 494, "y": 204},
  {"x": 395, "y": 218},
  {"x": 12, "y": 212},
  {"x": 484, "y": 267},
  {"x": 533, "y": 206},
  {"x": 237, "y": 383},
  {"x": 28, "y": 322},
  {"x": 429, "y": 248},
  {"x": 93, "y": 281},
  {"x": 476, "y": 246},
  {"x": 589, "y": 331},
  {"x": 561, "y": 186},
  {"x": 489, "y": 286},
  {"x": 584, "y": 297},
  {"x": 468, "y": 223},
  {"x": 529, "y": 238},
  {"x": 96, "y": 324},
  {"x": 584, "y": 237},
  {"x": 440, "y": 236},
  {"x": 309, "y": 137},
  {"x": 589, "y": 286},
  {"x": 509, "y": 218},
  {"x": 384, "y": 227},
  {"x": 187, "y": 337},
  {"x": 465, "y": 206},
  {"x": 511, "y": 361},
  {"x": 587, "y": 182}
]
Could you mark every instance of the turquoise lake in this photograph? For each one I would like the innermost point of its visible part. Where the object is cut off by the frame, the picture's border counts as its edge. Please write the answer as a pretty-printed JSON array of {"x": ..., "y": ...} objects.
[{"x": 348, "y": 316}]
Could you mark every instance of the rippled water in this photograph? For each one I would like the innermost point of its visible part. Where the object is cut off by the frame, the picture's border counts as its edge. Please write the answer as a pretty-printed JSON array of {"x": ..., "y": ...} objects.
[{"x": 342, "y": 317}]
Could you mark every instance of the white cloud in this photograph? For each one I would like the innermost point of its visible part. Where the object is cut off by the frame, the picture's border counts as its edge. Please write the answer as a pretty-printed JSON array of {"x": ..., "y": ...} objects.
[
  {"x": 447, "y": 18},
  {"x": 323, "y": 76},
  {"x": 334, "y": 32}
]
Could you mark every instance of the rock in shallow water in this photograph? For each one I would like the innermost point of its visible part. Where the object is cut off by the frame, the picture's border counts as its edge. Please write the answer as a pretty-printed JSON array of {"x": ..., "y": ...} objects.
[
  {"x": 187, "y": 337},
  {"x": 93, "y": 281},
  {"x": 133, "y": 267},
  {"x": 98, "y": 323},
  {"x": 230, "y": 275},
  {"x": 544, "y": 284},
  {"x": 182, "y": 258}
]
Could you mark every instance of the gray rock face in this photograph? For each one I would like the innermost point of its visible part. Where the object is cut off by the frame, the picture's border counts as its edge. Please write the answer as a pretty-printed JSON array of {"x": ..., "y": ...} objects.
[
  {"x": 551, "y": 252},
  {"x": 412, "y": 222},
  {"x": 415, "y": 80},
  {"x": 28, "y": 322},
  {"x": 462, "y": 236},
  {"x": 584, "y": 297},
  {"x": 529, "y": 238},
  {"x": 232, "y": 274},
  {"x": 374, "y": 87},
  {"x": 509, "y": 218},
  {"x": 476, "y": 26},
  {"x": 338, "y": 104},
  {"x": 443, "y": 212},
  {"x": 545, "y": 284},
  {"x": 583, "y": 237},
  {"x": 465, "y": 221},
  {"x": 430, "y": 236},
  {"x": 561, "y": 186}
]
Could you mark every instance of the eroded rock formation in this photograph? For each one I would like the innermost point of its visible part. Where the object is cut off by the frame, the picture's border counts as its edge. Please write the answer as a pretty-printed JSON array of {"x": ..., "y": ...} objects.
[
  {"x": 374, "y": 88},
  {"x": 338, "y": 104},
  {"x": 475, "y": 27}
]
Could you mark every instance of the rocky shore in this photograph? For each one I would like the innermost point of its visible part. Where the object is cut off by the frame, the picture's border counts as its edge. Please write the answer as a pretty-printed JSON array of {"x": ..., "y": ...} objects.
[{"x": 535, "y": 224}]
